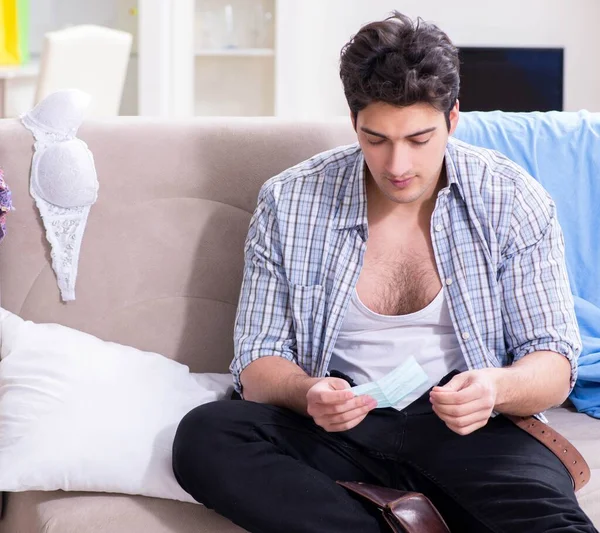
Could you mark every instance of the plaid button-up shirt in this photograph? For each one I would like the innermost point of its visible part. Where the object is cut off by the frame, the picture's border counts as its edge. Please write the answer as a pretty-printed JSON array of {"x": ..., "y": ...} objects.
[{"x": 498, "y": 248}]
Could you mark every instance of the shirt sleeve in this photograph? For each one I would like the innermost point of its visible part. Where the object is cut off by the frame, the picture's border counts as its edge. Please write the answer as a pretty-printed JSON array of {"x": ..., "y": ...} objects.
[
  {"x": 263, "y": 325},
  {"x": 537, "y": 304}
]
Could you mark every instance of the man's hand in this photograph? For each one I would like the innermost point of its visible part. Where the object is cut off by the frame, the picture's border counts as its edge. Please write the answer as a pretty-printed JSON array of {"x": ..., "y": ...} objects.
[
  {"x": 334, "y": 407},
  {"x": 466, "y": 402}
]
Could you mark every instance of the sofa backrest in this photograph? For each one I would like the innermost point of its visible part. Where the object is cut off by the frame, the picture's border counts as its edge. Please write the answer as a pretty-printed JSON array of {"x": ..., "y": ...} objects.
[{"x": 162, "y": 256}]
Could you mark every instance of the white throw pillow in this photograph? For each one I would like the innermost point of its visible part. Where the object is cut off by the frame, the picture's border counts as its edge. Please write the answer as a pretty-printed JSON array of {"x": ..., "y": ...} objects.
[{"x": 78, "y": 413}]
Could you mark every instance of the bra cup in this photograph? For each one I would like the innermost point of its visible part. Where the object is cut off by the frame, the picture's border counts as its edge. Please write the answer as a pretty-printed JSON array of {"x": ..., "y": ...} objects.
[
  {"x": 60, "y": 113},
  {"x": 64, "y": 175}
]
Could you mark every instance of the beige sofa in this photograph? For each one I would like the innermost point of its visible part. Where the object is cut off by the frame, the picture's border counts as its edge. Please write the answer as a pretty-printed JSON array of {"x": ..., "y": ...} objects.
[{"x": 160, "y": 269}]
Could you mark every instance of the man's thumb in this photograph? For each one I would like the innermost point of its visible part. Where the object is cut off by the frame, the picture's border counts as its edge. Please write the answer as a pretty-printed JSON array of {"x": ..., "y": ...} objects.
[
  {"x": 458, "y": 382},
  {"x": 338, "y": 383}
]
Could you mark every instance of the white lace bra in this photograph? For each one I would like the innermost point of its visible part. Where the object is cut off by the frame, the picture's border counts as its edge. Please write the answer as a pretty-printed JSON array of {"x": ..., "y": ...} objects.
[{"x": 63, "y": 183}]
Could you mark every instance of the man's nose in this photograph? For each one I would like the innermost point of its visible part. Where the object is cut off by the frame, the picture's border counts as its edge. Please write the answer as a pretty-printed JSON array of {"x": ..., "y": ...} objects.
[{"x": 399, "y": 162}]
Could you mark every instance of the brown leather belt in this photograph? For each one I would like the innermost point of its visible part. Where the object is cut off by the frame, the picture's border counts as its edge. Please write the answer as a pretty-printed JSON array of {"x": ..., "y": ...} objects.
[{"x": 558, "y": 445}]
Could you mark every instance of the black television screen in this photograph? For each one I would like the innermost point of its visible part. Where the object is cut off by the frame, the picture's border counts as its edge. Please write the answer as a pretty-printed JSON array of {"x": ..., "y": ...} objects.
[{"x": 511, "y": 79}]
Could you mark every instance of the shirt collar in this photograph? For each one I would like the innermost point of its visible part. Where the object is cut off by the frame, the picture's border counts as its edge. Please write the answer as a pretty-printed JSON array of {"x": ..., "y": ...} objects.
[
  {"x": 452, "y": 174},
  {"x": 351, "y": 211}
]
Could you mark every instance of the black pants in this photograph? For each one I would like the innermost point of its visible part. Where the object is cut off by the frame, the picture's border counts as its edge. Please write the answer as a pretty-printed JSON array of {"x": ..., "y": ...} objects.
[{"x": 271, "y": 470}]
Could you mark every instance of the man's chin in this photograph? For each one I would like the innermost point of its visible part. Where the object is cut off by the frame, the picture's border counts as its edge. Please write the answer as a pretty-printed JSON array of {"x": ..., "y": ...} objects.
[{"x": 404, "y": 197}]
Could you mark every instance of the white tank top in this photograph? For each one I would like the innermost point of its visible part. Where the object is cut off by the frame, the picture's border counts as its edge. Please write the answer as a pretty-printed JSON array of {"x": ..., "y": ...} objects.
[{"x": 371, "y": 345}]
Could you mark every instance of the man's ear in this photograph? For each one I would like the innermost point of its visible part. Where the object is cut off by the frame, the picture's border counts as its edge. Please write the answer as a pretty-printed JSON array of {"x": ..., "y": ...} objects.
[{"x": 454, "y": 116}]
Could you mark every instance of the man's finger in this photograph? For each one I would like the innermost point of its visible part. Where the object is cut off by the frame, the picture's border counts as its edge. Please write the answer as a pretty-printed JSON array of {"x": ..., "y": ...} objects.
[
  {"x": 329, "y": 409},
  {"x": 344, "y": 426},
  {"x": 457, "y": 411},
  {"x": 348, "y": 416},
  {"x": 442, "y": 396},
  {"x": 463, "y": 420},
  {"x": 466, "y": 430},
  {"x": 458, "y": 382},
  {"x": 461, "y": 409},
  {"x": 333, "y": 396}
]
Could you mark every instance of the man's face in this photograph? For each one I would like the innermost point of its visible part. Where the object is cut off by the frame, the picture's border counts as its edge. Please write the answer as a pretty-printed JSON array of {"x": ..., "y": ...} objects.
[{"x": 404, "y": 148}]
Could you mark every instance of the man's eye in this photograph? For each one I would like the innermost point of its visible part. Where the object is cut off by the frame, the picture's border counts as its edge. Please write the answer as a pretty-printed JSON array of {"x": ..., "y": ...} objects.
[
  {"x": 419, "y": 143},
  {"x": 381, "y": 141}
]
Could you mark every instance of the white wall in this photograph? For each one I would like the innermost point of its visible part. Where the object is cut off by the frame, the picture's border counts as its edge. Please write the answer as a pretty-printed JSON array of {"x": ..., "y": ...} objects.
[{"x": 311, "y": 33}]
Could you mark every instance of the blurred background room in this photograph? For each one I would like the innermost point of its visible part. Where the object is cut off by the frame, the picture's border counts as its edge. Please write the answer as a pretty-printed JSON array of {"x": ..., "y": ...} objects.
[{"x": 184, "y": 58}]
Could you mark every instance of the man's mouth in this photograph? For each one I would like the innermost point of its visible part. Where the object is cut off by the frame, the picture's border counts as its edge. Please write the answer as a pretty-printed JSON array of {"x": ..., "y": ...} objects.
[{"x": 401, "y": 183}]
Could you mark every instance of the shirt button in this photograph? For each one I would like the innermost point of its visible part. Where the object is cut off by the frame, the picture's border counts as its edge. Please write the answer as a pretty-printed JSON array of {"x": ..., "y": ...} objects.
[
  {"x": 448, "y": 281},
  {"x": 439, "y": 227},
  {"x": 466, "y": 336}
]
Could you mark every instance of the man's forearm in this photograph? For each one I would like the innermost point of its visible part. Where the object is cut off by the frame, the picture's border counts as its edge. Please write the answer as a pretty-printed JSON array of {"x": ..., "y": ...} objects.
[
  {"x": 277, "y": 381},
  {"x": 533, "y": 384}
]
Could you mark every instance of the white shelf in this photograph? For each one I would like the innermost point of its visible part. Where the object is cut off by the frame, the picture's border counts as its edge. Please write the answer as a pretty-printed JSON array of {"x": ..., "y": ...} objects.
[
  {"x": 235, "y": 52},
  {"x": 234, "y": 56}
]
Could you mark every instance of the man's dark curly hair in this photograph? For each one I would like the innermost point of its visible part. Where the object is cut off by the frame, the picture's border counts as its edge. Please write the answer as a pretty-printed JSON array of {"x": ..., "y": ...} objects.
[{"x": 400, "y": 62}]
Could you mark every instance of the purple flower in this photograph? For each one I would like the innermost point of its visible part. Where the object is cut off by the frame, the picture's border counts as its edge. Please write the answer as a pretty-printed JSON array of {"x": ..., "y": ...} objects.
[{"x": 5, "y": 204}]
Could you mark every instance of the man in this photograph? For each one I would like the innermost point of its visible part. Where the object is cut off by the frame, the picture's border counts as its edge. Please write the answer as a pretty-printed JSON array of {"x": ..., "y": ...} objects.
[{"x": 410, "y": 250}]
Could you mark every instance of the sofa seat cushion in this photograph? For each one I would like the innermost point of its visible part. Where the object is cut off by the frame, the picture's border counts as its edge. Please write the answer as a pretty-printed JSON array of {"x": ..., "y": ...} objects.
[
  {"x": 584, "y": 433},
  {"x": 78, "y": 512},
  {"x": 61, "y": 512}
]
